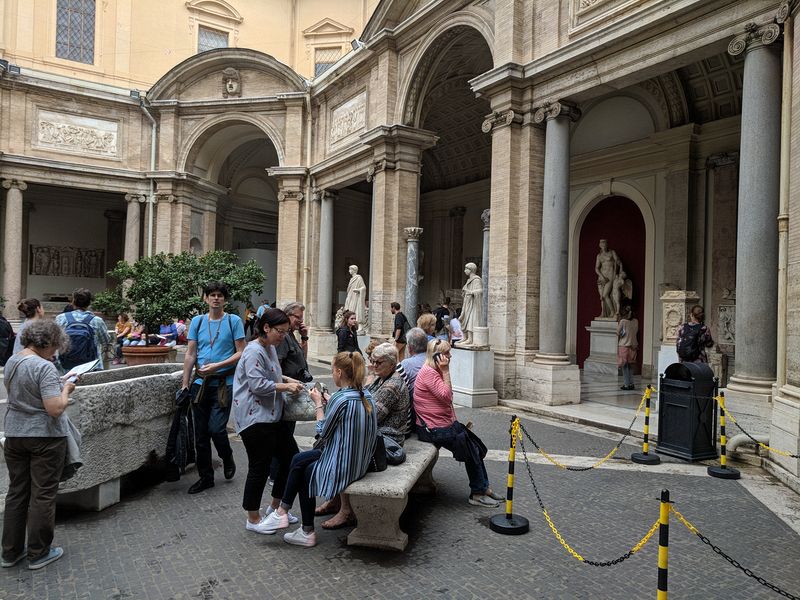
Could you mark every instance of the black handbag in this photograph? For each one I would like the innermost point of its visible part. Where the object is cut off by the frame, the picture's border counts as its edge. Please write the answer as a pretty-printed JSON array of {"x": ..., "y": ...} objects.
[{"x": 378, "y": 462}]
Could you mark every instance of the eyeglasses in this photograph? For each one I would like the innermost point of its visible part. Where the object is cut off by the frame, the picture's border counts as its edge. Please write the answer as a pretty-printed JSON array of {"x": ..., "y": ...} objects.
[
  {"x": 375, "y": 361},
  {"x": 280, "y": 331}
]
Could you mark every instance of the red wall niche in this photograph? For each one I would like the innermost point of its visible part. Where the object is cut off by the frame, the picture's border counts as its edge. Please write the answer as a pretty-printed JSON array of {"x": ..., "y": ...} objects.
[{"x": 618, "y": 220}]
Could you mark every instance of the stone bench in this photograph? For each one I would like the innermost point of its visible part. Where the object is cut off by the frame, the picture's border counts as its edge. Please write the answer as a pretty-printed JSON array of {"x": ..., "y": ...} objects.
[{"x": 378, "y": 499}]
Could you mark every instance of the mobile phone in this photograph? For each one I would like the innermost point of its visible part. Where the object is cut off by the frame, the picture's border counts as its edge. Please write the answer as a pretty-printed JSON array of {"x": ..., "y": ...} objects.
[
  {"x": 73, "y": 379},
  {"x": 437, "y": 356}
]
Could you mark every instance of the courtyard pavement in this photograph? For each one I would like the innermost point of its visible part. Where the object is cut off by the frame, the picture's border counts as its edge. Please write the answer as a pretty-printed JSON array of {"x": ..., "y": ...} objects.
[{"x": 161, "y": 543}]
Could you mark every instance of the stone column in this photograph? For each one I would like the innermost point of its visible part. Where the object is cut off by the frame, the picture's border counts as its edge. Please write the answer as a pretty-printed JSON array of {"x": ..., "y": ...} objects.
[
  {"x": 485, "y": 217},
  {"x": 133, "y": 226},
  {"x": 555, "y": 233},
  {"x": 289, "y": 216},
  {"x": 114, "y": 241},
  {"x": 756, "y": 236},
  {"x": 412, "y": 272},
  {"x": 164, "y": 204},
  {"x": 325, "y": 275},
  {"x": 12, "y": 246}
]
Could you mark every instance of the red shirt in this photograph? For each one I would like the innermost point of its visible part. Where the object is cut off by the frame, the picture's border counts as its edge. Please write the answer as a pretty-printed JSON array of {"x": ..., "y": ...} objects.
[{"x": 433, "y": 399}]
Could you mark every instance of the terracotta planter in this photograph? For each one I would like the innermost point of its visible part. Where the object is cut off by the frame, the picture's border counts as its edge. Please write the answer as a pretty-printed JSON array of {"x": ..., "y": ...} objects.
[{"x": 145, "y": 355}]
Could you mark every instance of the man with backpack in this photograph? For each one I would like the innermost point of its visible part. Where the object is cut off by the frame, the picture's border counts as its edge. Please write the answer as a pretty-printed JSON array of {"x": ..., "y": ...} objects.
[
  {"x": 694, "y": 337},
  {"x": 88, "y": 334},
  {"x": 401, "y": 325}
]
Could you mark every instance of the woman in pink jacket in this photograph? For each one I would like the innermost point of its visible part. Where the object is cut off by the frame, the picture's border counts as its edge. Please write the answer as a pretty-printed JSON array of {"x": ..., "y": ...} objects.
[{"x": 437, "y": 423}]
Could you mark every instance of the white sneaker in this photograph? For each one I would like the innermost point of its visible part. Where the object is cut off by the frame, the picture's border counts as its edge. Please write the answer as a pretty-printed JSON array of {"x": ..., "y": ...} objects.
[
  {"x": 292, "y": 519},
  {"x": 259, "y": 527},
  {"x": 298, "y": 537},
  {"x": 273, "y": 521}
]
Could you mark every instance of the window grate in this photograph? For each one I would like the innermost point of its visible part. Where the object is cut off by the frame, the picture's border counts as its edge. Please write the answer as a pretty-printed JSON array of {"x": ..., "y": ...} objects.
[
  {"x": 324, "y": 58},
  {"x": 209, "y": 39},
  {"x": 75, "y": 30}
]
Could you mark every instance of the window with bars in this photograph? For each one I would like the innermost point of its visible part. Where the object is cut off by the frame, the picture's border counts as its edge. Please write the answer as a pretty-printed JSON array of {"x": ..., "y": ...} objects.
[
  {"x": 209, "y": 39},
  {"x": 75, "y": 30},
  {"x": 324, "y": 58}
]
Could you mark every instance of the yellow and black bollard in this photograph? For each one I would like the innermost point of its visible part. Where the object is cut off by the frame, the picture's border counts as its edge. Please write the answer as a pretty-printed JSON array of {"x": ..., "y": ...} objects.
[
  {"x": 508, "y": 523},
  {"x": 723, "y": 471},
  {"x": 644, "y": 457},
  {"x": 663, "y": 545}
]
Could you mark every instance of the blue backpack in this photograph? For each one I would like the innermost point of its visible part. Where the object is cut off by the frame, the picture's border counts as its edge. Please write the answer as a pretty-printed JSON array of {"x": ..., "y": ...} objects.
[{"x": 82, "y": 344}]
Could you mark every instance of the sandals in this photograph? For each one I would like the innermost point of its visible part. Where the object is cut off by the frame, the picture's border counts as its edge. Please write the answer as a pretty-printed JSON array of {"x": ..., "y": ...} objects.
[
  {"x": 323, "y": 510},
  {"x": 348, "y": 522}
]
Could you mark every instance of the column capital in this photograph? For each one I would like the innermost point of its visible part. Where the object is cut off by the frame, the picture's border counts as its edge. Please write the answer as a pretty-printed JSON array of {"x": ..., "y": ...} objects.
[
  {"x": 457, "y": 211},
  {"x": 17, "y": 184},
  {"x": 722, "y": 159},
  {"x": 486, "y": 217},
  {"x": 133, "y": 197},
  {"x": 757, "y": 36},
  {"x": 413, "y": 233},
  {"x": 553, "y": 110},
  {"x": 378, "y": 166},
  {"x": 499, "y": 119},
  {"x": 114, "y": 215},
  {"x": 318, "y": 194},
  {"x": 290, "y": 195},
  {"x": 165, "y": 198}
]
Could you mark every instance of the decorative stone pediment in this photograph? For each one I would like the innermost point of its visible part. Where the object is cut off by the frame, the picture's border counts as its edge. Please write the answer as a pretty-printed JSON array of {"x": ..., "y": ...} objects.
[
  {"x": 215, "y": 8},
  {"x": 328, "y": 27}
]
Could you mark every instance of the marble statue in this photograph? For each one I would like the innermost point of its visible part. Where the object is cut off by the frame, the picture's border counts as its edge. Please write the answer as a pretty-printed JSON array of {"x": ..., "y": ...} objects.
[
  {"x": 356, "y": 298},
  {"x": 622, "y": 289},
  {"x": 607, "y": 266},
  {"x": 472, "y": 307}
]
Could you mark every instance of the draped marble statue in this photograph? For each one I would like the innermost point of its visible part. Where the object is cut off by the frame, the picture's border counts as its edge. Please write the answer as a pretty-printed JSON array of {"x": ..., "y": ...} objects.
[
  {"x": 357, "y": 297},
  {"x": 472, "y": 308}
]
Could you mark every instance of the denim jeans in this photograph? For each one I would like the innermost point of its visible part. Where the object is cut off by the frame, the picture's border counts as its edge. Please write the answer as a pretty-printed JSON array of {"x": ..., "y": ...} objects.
[
  {"x": 210, "y": 423},
  {"x": 298, "y": 482},
  {"x": 266, "y": 443},
  {"x": 627, "y": 374}
]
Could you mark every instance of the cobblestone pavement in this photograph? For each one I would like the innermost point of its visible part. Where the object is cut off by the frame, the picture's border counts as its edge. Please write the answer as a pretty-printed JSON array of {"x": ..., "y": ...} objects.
[{"x": 161, "y": 543}]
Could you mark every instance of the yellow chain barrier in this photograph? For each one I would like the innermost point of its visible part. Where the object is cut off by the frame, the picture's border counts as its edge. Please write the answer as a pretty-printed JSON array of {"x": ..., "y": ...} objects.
[
  {"x": 728, "y": 415},
  {"x": 613, "y": 451},
  {"x": 683, "y": 520}
]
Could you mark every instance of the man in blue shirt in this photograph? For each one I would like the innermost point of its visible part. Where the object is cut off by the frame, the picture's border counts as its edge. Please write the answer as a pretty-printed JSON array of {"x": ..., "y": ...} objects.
[{"x": 216, "y": 341}]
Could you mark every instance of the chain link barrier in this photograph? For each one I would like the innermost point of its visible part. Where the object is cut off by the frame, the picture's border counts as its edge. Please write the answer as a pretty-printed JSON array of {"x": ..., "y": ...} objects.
[
  {"x": 613, "y": 451},
  {"x": 729, "y": 558},
  {"x": 608, "y": 563},
  {"x": 728, "y": 415}
]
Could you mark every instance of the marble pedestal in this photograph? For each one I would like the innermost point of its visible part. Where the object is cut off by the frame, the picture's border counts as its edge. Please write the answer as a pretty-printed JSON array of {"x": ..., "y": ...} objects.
[
  {"x": 322, "y": 345},
  {"x": 667, "y": 355},
  {"x": 472, "y": 376},
  {"x": 602, "y": 347},
  {"x": 550, "y": 384},
  {"x": 784, "y": 433},
  {"x": 750, "y": 402}
]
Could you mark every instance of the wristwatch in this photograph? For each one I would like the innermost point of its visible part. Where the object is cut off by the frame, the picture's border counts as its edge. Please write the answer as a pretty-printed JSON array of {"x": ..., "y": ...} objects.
[{"x": 303, "y": 338}]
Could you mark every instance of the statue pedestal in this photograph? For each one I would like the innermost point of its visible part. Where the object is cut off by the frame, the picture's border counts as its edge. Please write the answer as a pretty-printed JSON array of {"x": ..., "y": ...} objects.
[
  {"x": 750, "y": 401},
  {"x": 322, "y": 345},
  {"x": 667, "y": 355},
  {"x": 550, "y": 384},
  {"x": 480, "y": 337},
  {"x": 472, "y": 376},
  {"x": 602, "y": 347},
  {"x": 363, "y": 341},
  {"x": 784, "y": 432}
]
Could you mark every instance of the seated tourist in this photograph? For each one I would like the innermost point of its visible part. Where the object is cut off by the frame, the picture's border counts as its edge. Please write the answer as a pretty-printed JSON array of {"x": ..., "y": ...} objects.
[
  {"x": 427, "y": 322},
  {"x": 437, "y": 423},
  {"x": 121, "y": 330}
]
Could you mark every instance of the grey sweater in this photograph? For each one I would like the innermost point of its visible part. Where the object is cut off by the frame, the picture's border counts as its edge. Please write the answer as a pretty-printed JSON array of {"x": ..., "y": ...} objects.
[{"x": 255, "y": 397}]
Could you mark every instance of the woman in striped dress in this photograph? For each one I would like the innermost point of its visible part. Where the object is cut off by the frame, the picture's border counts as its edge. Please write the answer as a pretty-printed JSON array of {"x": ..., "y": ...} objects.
[{"x": 347, "y": 431}]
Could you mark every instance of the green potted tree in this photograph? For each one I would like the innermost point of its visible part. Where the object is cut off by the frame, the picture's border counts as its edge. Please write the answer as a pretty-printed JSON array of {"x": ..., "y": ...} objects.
[{"x": 164, "y": 287}]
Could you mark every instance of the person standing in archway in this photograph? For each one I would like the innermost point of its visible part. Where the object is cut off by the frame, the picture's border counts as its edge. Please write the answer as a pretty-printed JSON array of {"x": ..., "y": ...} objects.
[{"x": 627, "y": 346}]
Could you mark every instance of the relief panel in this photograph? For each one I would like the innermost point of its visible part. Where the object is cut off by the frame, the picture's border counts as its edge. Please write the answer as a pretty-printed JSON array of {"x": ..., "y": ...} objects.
[
  {"x": 347, "y": 119},
  {"x": 87, "y": 136}
]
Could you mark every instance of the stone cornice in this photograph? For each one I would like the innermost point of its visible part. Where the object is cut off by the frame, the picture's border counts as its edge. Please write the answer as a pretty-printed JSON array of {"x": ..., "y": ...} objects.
[
  {"x": 353, "y": 153},
  {"x": 290, "y": 98},
  {"x": 51, "y": 167}
]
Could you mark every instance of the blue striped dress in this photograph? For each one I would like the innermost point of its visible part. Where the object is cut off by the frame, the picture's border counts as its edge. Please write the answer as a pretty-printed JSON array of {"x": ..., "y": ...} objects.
[{"x": 349, "y": 433}]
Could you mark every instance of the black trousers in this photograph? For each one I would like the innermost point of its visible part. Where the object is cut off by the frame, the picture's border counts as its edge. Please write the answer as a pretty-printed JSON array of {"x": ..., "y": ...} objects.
[
  {"x": 265, "y": 443},
  {"x": 300, "y": 473}
]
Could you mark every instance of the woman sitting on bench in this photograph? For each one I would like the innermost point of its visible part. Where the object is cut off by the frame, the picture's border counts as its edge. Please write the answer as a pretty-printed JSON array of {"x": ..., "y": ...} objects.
[{"x": 437, "y": 423}]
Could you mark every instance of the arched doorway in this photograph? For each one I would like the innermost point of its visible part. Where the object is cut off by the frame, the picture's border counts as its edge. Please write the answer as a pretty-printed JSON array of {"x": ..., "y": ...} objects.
[
  {"x": 455, "y": 181},
  {"x": 618, "y": 220}
]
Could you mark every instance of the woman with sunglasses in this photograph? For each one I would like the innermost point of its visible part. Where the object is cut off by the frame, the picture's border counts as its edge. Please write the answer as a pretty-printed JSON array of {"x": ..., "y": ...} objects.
[
  {"x": 437, "y": 423},
  {"x": 258, "y": 388}
]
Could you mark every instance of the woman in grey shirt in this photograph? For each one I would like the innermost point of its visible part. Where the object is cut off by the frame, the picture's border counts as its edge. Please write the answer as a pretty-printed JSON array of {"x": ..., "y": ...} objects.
[
  {"x": 35, "y": 446},
  {"x": 258, "y": 387}
]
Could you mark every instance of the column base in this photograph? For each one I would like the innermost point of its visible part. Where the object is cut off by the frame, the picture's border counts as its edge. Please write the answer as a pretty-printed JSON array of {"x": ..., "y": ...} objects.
[
  {"x": 546, "y": 358},
  {"x": 550, "y": 384},
  {"x": 749, "y": 400},
  {"x": 472, "y": 373},
  {"x": 784, "y": 432},
  {"x": 603, "y": 342},
  {"x": 322, "y": 344}
]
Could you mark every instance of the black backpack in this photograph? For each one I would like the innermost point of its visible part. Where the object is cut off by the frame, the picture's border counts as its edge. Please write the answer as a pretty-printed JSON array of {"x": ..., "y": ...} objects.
[
  {"x": 7, "y": 337},
  {"x": 688, "y": 345},
  {"x": 82, "y": 344}
]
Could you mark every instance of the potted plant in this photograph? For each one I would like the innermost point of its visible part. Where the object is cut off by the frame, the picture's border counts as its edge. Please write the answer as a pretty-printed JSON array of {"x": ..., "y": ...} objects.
[{"x": 164, "y": 287}]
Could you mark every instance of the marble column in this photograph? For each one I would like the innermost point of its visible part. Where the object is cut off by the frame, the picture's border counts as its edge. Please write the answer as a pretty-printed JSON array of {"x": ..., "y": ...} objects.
[
  {"x": 12, "y": 246},
  {"x": 164, "y": 204},
  {"x": 133, "y": 227},
  {"x": 325, "y": 274},
  {"x": 555, "y": 233},
  {"x": 485, "y": 217},
  {"x": 412, "y": 272},
  {"x": 756, "y": 235}
]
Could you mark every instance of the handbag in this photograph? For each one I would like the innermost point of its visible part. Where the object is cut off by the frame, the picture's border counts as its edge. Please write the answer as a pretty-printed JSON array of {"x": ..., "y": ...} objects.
[
  {"x": 299, "y": 407},
  {"x": 395, "y": 453},
  {"x": 378, "y": 462}
]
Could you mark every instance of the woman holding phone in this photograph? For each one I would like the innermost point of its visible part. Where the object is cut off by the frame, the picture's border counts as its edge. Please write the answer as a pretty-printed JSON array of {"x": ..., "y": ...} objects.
[{"x": 437, "y": 423}]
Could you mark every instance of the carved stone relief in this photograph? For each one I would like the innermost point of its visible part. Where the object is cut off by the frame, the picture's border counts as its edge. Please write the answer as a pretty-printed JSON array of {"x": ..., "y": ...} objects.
[
  {"x": 348, "y": 118},
  {"x": 726, "y": 324},
  {"x": 66, "y": 261},
  {"x": 73, "y": 133}
]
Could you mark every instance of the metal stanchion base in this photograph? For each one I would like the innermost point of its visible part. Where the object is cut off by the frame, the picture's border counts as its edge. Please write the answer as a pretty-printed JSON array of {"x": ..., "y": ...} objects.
[
  {"x": 724, "y": 472},
  {"x": 645, "y": 459},
  {"x": 516, "y": 525}
]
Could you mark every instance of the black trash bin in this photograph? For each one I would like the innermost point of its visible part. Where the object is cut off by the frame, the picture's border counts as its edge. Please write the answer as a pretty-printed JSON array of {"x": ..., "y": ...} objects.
[{"x": 687, "y": 412}]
